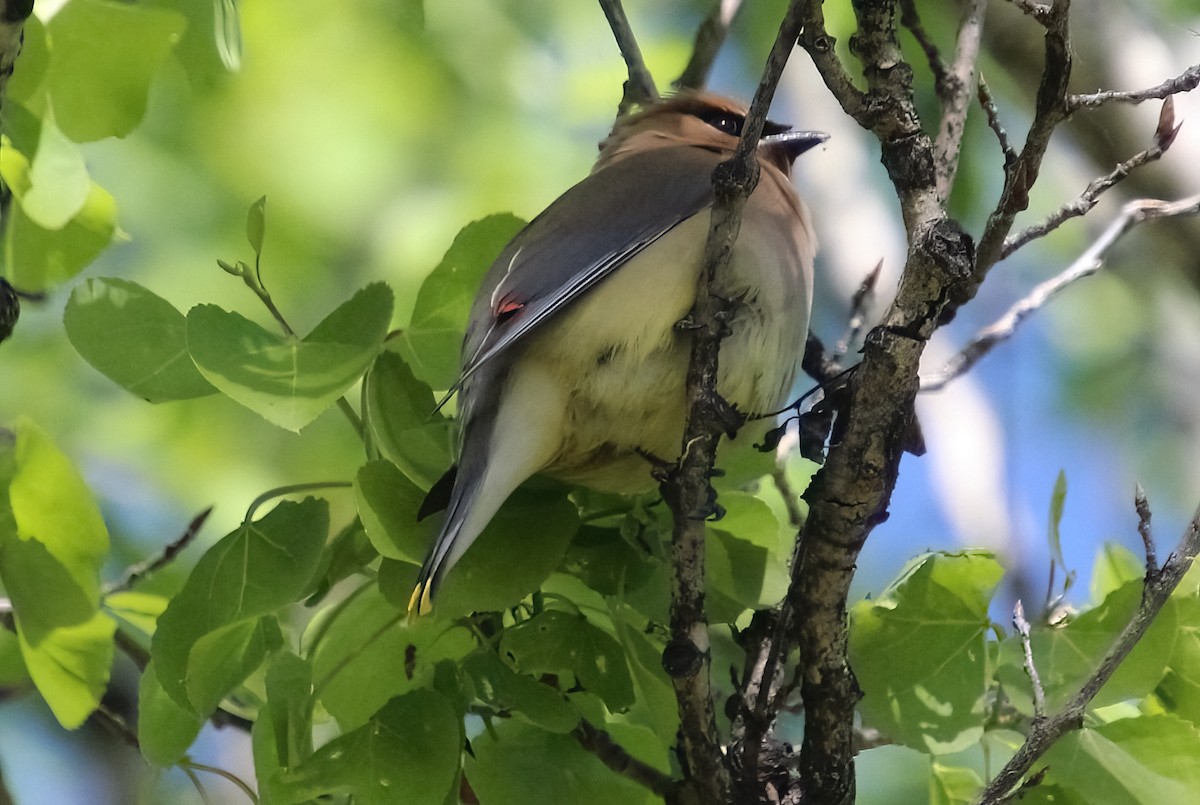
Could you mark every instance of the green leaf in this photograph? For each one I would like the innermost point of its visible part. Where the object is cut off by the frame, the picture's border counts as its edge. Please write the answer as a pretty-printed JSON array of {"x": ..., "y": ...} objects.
[
  {"x": 510, "y": 559},
  {"x": 500, "y": 687},
  {"x": 1115, "y": 566},
  {"x": 251, "y": 572},
  {"x": 953, "y": 785},
  {"x": 407, "y": 752},
  {"x": 135, "y": 338},
  {"x": 219, "y": 660},
  {"x": 606, "y": 562},
  {"x": 52, "y": 542},
  {"x": 256, "y": 225},
  {"x": 1058, "y": 499},
  {"x": 165, "y": 730},
  {"x": 516, "y": 764},
  {"x": 290, "y": 707},
  {"x": 58, "y": 179},
  {"x": 553, "y": 642},
  {"x": 388, "y": 504},
  {"x": 37, "y": 258},
  {"x": 289, "y": 381},
  {"x": 138, "y": 610},
  {"x": 431, "y": 342},
  {"x": 370, "y": 653},
  {"x": 1180, "y": 689},
  {"x": 399, "y": 411},
  {"x": 920, "y": 651},
  {"x": 1066, "y": 654},
  {"x": 70, "y": 667},
  {"x": 99, "y": 83},
  {"x": 55, "y": 541},
  {"x": 1148, "y": 760},
  {"x": 741, "y": 576}
]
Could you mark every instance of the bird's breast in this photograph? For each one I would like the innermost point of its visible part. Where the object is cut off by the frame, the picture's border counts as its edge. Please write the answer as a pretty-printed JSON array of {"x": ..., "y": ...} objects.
[{"x": 623, "y": 361}]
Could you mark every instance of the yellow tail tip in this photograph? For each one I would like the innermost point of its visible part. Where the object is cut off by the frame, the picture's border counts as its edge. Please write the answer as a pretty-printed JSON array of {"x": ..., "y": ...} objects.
[{"x": 420, "y": 602}]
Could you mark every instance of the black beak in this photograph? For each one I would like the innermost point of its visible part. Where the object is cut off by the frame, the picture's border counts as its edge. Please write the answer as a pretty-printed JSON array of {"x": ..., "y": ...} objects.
[{"x": 791, "y": 144}]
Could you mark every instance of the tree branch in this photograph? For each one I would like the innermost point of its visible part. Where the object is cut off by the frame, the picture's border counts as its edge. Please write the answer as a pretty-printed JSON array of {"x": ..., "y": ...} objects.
[
  {"x": 1044, "y": 733},
  {"x": 687, "y": 657},
  {"x": 1186, "y": 81},
  {"x": 993, "y": 120},
  {"x": 955, "y": 93},
  {"x": 135, "y": 573},
  {"x": 612, "y": 755},
  {"x": 639, "y": 88},
  {"x": 1134, "y": 213},
  {"x": 710, "y": 36},
  {"x": 1081, "y": 205}
]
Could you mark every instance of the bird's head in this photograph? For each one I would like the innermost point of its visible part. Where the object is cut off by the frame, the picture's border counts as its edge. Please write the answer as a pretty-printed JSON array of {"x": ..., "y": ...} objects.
[{"x": 705, "y": 120}]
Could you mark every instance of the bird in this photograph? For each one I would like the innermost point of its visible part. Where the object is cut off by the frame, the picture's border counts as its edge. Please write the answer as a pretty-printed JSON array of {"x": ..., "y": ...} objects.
[{"x": 574, "y": 359}]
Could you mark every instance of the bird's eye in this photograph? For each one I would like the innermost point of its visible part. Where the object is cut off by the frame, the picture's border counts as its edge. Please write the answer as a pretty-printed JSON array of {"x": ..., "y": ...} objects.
[{"x": 727, "y": 122}]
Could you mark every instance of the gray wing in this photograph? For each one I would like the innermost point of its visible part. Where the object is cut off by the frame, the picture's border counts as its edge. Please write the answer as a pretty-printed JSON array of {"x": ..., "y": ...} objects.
[{"x": 563, "y": 252}]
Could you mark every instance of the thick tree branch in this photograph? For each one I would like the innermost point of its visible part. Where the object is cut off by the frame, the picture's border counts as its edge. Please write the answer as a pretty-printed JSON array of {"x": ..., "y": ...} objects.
[
  {"x": 687, "y": 656},
  {"x": 639, "y": 88},
  {"x": 1045, "y": 732},
  {"x": 1087, "y": 264},
  {"x": 710, "y": 36}
]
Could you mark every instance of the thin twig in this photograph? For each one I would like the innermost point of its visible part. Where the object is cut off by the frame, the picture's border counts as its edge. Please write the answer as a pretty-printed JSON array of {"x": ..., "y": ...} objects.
[
  {"x": 993, "y": 121},
  {"x": 911, "y": 20},
  {"x": 1186, "y": 81},
  {"x": 1039, "y": 11},
  {"x": 1044, "y": 733},
  {"x": 1087, "y": 264},
  {"x": 1142, "y": 506},
  {"x": 1090, "y": 196},
  {"x": 640, "y": 88},
  {"x": 791, "y": 501},
  {"x": 710, "y": 36},
  {"x": 291, "y": 489},
  {"x": 955, "y": 93},
  {"x": 1035, "y": 681},
  {"x": 136, "y": 573},
  {"x": 860, "y": 303},
  {"x": 614, "y": 756}
]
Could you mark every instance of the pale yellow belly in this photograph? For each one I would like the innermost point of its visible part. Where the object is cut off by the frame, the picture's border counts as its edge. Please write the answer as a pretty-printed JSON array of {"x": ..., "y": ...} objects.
[{"x": 619, "y": 352}]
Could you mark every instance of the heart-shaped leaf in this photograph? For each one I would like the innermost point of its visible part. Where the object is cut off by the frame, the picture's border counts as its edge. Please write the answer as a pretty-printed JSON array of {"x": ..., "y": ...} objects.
[{"x": 289, "y": 380}]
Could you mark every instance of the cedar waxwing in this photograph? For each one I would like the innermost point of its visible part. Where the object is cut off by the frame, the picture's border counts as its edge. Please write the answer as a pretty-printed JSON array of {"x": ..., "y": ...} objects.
[{"x": 573, "y": 364}]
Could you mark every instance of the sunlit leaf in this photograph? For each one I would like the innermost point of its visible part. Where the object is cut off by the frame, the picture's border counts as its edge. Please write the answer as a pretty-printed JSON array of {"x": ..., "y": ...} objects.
[
  {"x": 99, "y": 84},
  {"x": 251, "y": 572},
  {"x": 70, "y": 667},
  {"x": 289, "y": 381},
  {"x": 37, "y": 258},
  {"x": 920, "y": 652},
  {"x": 135, "y": 338},
  {"x": 58, "y": 180},
  {"x": 1148, "y": 760}
]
